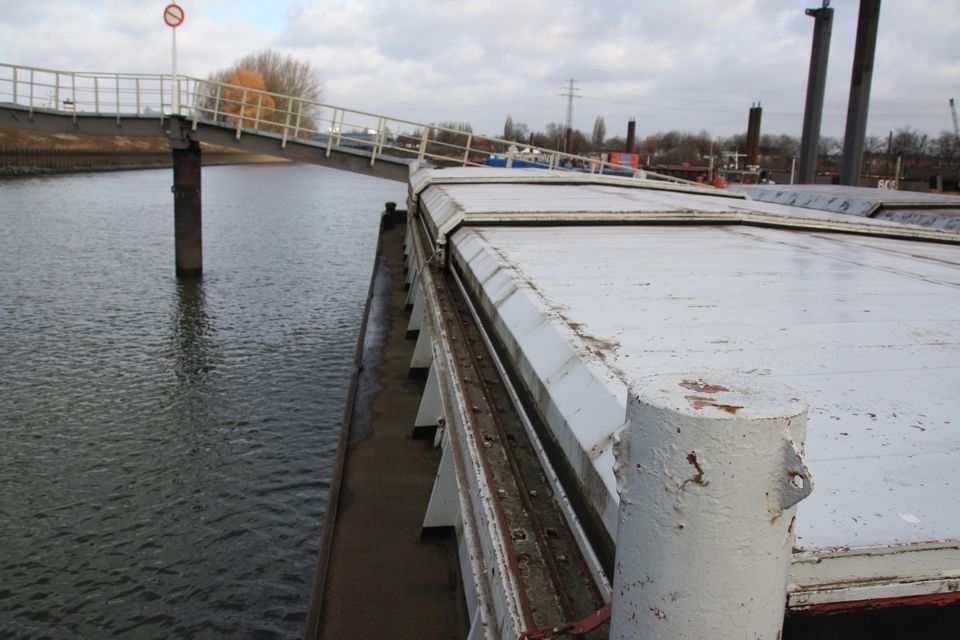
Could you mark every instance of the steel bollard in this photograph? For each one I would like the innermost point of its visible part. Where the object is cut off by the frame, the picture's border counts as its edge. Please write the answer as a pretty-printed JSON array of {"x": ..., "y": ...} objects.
[{"x": 708, "y": 474}]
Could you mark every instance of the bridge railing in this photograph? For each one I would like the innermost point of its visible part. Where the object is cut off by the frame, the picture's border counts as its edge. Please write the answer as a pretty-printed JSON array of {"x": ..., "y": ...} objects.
[
  {"x": 332, "y": 126},
  {"x": 250, "y": 110},
  {"x": 119, "y": 94}
]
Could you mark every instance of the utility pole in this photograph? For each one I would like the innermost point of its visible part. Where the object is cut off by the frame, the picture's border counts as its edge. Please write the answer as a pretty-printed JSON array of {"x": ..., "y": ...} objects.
[
  {"x": 736, "y": 155},
  {"x": 816, "y": 83},
  {"x": 859, "y": 103},
  {"x": 568, "y": 130}
]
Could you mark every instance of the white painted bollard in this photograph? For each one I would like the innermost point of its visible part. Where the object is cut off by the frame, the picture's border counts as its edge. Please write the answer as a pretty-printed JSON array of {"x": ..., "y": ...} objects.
[{"x": 709, "y": 473}]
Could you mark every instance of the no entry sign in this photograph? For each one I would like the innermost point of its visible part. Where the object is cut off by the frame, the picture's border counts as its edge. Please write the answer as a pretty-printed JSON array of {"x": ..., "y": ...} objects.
[{"x": 173, "y": 15}]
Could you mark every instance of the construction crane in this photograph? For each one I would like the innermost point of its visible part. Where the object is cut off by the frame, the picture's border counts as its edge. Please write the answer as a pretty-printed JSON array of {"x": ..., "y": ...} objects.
[{"x": 953, "y": 112}]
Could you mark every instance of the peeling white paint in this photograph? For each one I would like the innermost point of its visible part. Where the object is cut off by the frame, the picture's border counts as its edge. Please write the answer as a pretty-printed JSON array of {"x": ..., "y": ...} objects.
[{"x": 866, "y": 329}]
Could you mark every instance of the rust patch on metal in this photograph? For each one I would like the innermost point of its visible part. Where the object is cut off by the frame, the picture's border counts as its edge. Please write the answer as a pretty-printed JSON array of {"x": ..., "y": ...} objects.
[
  {"x": 692, "y": 459},
  {"x": 579, "y": 628},
  {"x": 699, "y": 402},
  {"x": 702, "y": 387},
  {"x": 658, "y": 614},
  {"x": 925, "y": 600},
  {"x": 699, "y": 478},
  {"x": 553, "y": 580}
]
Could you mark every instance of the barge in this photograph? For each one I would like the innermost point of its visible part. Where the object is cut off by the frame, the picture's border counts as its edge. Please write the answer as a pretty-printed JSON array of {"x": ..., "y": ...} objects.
[{"x": 598, "y": 407}]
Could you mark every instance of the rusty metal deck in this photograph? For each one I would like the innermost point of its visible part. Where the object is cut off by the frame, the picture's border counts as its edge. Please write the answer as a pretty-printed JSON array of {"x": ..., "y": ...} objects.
[{"x": 554, "y": 581}]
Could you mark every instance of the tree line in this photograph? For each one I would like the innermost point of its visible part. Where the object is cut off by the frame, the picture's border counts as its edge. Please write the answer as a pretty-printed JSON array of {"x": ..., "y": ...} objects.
[
  {"x": 775, "y": 150},
  {"x": 257, "y": 75}
]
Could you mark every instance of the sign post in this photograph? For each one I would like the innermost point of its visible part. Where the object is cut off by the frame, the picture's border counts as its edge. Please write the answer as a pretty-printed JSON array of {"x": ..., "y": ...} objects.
[{"x": 173, "y": 15}]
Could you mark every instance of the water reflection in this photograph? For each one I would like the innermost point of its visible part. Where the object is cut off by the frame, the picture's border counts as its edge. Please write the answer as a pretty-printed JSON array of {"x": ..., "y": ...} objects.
[
  {"x": 164, "y": 445},
  {"x": 192, "y": 331}
]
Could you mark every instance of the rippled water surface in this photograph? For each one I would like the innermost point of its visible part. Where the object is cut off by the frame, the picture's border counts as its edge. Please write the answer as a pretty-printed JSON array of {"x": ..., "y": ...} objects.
[{"x": 165, "y": 446}]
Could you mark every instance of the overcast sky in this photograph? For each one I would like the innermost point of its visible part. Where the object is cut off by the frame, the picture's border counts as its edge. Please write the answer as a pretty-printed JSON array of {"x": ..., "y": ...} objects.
[{"x": 671, "y": 64}]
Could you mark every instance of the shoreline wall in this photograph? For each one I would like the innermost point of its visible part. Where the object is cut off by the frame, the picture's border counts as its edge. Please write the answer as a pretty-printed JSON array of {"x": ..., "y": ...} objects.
[{"x": 20, "y": 161}]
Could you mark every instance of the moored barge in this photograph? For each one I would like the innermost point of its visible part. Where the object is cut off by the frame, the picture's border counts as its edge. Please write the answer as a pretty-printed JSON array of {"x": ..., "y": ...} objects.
[{"x": 648, "y": 410}]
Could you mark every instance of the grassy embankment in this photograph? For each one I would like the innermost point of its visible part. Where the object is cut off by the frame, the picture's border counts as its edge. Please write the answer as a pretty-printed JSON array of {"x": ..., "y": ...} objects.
[{"x": 32, "y": 153}]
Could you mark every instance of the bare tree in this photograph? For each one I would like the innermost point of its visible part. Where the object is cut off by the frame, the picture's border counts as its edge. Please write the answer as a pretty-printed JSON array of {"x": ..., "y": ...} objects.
[
  {"x": 874, "y": 144},
  {"x": 456, "y": 137},
  {"x": 907, "y": 140},
  {"x": 552, "y": 137},
  {"x": 521, "y": 132},
  {"x": 515, "y": 131},
  {"x": 599, "y": 132},
  {"x": 946, "y": 148},
  {"x": 297, "y": 80},
  {"x": 829, "y": 146},
  {"x": 676, "y": 146},
  {"x": 616, "y": 142}
]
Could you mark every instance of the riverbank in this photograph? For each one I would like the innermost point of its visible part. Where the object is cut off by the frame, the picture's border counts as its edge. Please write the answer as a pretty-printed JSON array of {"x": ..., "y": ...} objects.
[
  {"x": 29, "y": 153},
  {"x": 32, "y": 162}
]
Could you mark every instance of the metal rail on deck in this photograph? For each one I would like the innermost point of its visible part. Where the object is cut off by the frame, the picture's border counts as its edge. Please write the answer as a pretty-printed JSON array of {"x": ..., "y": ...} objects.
[
  {"x": 248, "y": 110},
  {"x": 513, "y": 521}
]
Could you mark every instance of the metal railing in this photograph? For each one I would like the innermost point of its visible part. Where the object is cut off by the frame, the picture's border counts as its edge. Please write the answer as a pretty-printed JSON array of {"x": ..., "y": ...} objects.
[
  {"x": 105, "y": 94},
  {"x": 250, "y": 110}
]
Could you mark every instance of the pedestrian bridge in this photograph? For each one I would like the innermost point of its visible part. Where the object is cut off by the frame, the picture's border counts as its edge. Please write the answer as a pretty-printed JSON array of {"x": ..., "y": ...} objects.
[{"x": 192, "y": 109}]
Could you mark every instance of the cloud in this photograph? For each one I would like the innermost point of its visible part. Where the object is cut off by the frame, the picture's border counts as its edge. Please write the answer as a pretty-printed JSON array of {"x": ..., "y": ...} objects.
[{"x": 687, "y": 64}]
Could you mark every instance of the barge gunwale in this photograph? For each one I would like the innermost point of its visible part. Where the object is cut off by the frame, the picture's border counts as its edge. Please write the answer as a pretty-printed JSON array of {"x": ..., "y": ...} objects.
[
  {"x": 378, "y": 575},
  {"x": 336, "y": 473},
  {"x": 534, "y": 571},
  {"x": 599, "y": 538}
]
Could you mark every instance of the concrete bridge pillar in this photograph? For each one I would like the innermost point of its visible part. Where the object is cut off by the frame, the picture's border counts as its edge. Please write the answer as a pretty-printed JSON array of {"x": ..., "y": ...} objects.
[{"x": 187, "y": 210}]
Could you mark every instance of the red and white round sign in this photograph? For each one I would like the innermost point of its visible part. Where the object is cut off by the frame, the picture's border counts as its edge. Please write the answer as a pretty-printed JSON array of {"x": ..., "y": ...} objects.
[{"x": 173, "y": 15}]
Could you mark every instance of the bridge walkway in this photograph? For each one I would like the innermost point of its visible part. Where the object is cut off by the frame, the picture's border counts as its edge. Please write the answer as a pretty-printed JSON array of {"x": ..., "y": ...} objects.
[
  {"x": 190, "y": 111},
  {"x": 239, "y": 117}
]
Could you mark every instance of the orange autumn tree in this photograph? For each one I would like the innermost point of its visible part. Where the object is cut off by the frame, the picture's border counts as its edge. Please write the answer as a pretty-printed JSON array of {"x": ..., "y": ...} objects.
[
  {"x": 249, "y": 103},
  {"x": 283, "y": 75}
]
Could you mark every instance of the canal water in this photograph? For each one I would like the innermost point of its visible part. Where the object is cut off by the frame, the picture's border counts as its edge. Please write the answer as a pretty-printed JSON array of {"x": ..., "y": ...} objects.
[{"x": 165, "y": 446}]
